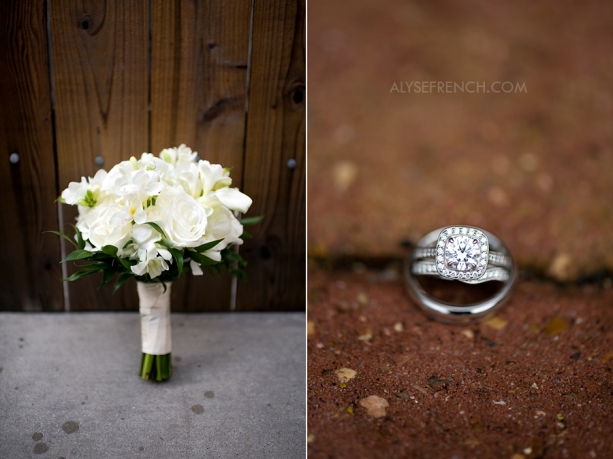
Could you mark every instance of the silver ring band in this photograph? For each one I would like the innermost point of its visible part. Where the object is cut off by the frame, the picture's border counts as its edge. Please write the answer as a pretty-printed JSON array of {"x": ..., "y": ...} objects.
[{"x": 465, "y": 254}]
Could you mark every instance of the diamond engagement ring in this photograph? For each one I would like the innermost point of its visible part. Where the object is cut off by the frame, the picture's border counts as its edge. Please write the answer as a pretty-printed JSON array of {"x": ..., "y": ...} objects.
[{"x": 465, "y": 254}]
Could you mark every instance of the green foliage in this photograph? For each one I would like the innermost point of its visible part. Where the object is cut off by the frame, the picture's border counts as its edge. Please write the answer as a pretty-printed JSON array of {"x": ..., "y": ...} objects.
[
  {"x": 110, "y": 265},
  {"x": 252, "y": 220}
]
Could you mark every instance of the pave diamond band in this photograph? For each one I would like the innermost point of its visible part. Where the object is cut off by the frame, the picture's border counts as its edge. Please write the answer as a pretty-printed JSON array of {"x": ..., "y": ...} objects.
[
  {"x": 461, "y": 253},
  {"x": 495, "y": 258}
]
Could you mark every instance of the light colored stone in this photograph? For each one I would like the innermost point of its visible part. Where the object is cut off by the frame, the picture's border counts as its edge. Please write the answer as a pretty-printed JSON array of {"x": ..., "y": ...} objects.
[
  {"x": 468, "y": 333},
  {"x": 462, "y": 253},
  {"x": 310, "y": 328},
  {"x": 496, "y": 323},
  {"x": 345, "y": 374},
  {"x": 398, "y": 327},
  {"x": 375, "y": 406},
  {"x": 366, "y": 335}
]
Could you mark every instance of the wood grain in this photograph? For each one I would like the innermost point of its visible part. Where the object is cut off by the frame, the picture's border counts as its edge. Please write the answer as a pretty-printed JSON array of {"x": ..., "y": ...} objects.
[
  {"x": 198, "y": 94},
  {"x": 276, "y": 134},
  {"x": 100, "y": 66},
  {"x": 30, "y": 276}
]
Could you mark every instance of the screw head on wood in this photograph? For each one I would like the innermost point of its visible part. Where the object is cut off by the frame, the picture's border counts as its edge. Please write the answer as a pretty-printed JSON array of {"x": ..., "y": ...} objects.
[
  {"x": 14, "y": 158},
  {"x": 99, "y": 160},
  {"x": 292, "y": 163}
]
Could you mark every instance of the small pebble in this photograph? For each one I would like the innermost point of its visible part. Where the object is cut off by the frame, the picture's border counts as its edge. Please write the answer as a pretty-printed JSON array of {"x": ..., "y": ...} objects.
[
  {"x": 345, "y": 374},
  {"x": 310, "y": 328},
  {"x": 527, "y": 450},
  {"x": 556, "y": 326},
  {"x": 606, "y": 358},
  {"x": 560, "y": 268},
  {"x": 496, "y": 323},
  {"x": 362, "y": 299},
  {"x": 398, "y": 327},
  {"x": 375, "y": 406},
  {"x": 311, "y": 438},
  {"x": 468, "y": 333},
  {"x": 534, "y": 386},
  {"x": 501, "y": 402},
  {"x": 366, "y": 335},
  {"x": 343, "y": 174}
]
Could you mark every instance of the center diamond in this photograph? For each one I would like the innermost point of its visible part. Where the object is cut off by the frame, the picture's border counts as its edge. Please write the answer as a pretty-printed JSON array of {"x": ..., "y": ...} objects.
[{"x": 462, "y": 253}]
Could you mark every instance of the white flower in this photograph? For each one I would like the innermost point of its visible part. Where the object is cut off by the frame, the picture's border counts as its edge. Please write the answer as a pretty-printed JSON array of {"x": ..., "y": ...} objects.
[
  {"x": 234, "y": 199},
  {"x": 150, "y": 162},
  {"x": 179, "y": 155},
  {"x": 185, "y": 221},
  {"x": 213, "y": 176},
  {"x": 196, "y": 269},
  {"x": 153, "y": 266},
  {"x": 141, "y": 184},
  {"x": 187, "y": 176},
  {"x": 106, "y": 224},
  {"x": 117, "y": 176},
  {"x": 222, "y": 224},
  {"x": 77, "y": 192}
]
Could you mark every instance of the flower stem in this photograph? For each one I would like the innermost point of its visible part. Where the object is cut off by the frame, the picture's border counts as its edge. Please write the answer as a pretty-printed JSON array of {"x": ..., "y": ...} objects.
[{"x": 156, "y": 367}]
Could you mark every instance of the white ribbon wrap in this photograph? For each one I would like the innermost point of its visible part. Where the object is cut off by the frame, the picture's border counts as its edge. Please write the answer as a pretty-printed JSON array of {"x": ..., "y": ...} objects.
[{"x": 154, "y": 318}]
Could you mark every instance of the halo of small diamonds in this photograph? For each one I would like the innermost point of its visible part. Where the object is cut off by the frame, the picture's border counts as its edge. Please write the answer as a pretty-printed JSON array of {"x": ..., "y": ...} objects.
[{"x": 462, "y": 253}]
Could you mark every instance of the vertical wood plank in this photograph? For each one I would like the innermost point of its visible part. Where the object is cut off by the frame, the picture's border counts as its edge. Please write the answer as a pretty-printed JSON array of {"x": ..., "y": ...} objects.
[
  {"x": 198, "y": 92},
  {"x": 276, "y": 134},
  {"x": 100, "y": 65},
  {"x": 30, "y": 277}
]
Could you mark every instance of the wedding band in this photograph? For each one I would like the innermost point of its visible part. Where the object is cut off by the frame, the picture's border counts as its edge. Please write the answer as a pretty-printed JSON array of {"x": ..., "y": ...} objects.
[{"x": 465, "y": 254}]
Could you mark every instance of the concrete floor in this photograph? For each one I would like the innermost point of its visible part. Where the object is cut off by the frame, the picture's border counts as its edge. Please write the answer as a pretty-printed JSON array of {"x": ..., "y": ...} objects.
[{"x": 69, "y": 387}]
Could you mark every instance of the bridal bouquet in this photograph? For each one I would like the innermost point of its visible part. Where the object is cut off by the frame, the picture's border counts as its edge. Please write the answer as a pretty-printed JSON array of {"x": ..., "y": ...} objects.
[{"x": 153, "y": 219}]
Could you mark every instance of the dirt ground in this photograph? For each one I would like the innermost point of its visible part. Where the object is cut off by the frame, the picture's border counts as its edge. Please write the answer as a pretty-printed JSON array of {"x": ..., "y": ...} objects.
[
  {"x": 534, "y": 167},
  {"x": 534, "y": 382}
]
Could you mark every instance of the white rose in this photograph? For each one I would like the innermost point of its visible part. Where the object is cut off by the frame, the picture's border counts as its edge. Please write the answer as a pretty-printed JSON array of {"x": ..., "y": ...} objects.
[
  {"x": 185, "y": 220},
  {"x": 106, "y": 224},
  {"x": 222, "y": 224}
]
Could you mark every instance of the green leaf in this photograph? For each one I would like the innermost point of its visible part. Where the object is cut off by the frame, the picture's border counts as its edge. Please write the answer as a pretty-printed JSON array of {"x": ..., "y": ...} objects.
[
  {"x": 110, "y": 250},
  {"x": 107, "y": 275},
  {"x": 96, "y": 267},
  {"x": 246, "y": 235},
  {"x": 251, "y": 220},
  {"x": 78, "y": 275},
  {"x": 207, "y": 246},
  {"x": 127, "y": 263},
  {"x": 65, "y": 236},
  {"x": 166, "y": 243},
  {"x": 79, "y": 235},
  {"x": 201, "y": 259},
  {"x": 156, "y": 227},
  {"x": 157, "y": 279},
  {"x": 122, "y": 279},
  {"x": 178, "y": 256},
  {"x": 78, "y": 255}
]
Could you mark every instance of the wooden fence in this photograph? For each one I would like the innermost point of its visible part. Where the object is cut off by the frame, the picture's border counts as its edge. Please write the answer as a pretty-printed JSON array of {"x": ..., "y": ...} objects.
[{"x": 89, "y": 81}]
